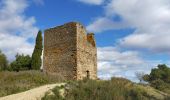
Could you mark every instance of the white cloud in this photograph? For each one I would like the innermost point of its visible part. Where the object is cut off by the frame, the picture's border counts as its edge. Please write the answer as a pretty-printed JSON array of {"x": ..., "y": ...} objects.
[
  {"x": 92, "y": 2},
  {"x": 153, "y": 42},
  {"x": 113, "y": 62},
  {"x": 150, "y": 18},
  {"x": 16, "y": 28},
  {"x": 39, "y": 2},
  {"x": 103, "y": 24},
  {"x": 12, "y": 44}
]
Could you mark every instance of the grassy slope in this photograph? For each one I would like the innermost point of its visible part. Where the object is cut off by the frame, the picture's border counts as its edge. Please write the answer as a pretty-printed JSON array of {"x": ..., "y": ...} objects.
[
  {"x": 116, "y": 89},
  {"x": 152, "y": 92},
  {"x": 14, "y": 82}
]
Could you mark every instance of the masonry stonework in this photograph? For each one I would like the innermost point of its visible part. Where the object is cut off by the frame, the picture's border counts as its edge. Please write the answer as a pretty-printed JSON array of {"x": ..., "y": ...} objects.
[{"x": 70, "y": 51}]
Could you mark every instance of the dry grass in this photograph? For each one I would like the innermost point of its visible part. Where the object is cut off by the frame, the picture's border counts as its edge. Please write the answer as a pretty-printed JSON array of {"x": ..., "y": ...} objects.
[
  {"x": 14, "y": 82},
  {"x": 115, "y": 89}
]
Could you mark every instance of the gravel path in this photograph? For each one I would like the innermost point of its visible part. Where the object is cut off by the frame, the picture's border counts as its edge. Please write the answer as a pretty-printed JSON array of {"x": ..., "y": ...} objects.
[{"x": 33, "y": 94}]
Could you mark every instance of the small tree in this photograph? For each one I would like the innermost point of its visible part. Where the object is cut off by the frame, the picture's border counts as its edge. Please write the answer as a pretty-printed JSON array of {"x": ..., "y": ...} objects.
[
  {"x": 140, "y": 75},
  {"x": 36, "y": 56},
  {"x": 159, "y": 78},
  {"x": 15, "y": 66},
  {"x": 162, "y": 72},
  {"x": 3, "y": 61},
  {"x": 21, "y": 63}
]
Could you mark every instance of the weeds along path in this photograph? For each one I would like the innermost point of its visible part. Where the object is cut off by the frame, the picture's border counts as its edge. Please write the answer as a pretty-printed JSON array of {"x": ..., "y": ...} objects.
[{"x": 33, "y": 94}]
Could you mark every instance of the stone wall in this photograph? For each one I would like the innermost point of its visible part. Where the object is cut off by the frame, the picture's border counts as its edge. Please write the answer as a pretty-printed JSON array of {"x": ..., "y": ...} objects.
[
  {"x": 86, "y": 54},
  {"x": 60, "y": 50},
  {"x": 69, "y": 51}
]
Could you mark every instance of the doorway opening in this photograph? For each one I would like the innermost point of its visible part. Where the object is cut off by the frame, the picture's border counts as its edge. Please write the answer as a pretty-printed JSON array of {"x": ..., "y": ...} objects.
[{"x": 87, "y": 74}]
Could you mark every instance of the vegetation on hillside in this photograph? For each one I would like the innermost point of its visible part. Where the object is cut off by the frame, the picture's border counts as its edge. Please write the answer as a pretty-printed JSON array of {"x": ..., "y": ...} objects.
[
  {"x": 159, "y": 78},
  {"x": 21, "y": 63},
  {"x": 3, "y": 62},
  {"x": 15, "y": 82},
  {"x": 114, "y": 89},
  {"x": 36, "y": 56}
]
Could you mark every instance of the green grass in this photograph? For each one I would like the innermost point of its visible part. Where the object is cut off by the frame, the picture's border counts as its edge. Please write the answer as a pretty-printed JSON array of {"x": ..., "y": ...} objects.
[
  {"x": 14, "y": 82},
  {"x": 115, "y": 89}
]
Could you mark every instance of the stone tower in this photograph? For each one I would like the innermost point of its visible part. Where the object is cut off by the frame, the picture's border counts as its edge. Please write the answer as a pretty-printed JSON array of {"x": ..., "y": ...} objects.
[{"x": 70, "y": 51}]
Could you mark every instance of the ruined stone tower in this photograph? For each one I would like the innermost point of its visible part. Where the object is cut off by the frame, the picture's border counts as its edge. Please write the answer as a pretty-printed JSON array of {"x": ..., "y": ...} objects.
[{"x": 70, "y": 51}]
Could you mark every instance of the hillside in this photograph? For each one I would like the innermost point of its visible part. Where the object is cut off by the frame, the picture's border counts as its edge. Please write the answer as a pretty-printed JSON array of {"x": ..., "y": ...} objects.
[
  {"x": 33, "y": 94},
  {"x": 15, "y": 82},
  {"x": 115, "y": 89}
]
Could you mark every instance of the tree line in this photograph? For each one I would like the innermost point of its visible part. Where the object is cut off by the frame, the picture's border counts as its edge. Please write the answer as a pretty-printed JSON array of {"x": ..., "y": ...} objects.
[{"x": 24, "y": 62}]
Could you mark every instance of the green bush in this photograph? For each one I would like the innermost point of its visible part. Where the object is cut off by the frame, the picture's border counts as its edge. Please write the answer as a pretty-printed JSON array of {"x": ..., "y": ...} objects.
[
  {"x": 22, "y": 62},
  {"x": 159, "y": 78}
]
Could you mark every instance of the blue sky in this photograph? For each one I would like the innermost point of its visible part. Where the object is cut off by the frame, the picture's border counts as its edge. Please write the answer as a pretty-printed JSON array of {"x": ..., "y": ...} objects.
[{"x": 132, "y": 35}]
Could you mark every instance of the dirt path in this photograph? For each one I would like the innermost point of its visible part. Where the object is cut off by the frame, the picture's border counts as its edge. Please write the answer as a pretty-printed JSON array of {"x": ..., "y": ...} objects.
[{"x": 33, "y": 94}]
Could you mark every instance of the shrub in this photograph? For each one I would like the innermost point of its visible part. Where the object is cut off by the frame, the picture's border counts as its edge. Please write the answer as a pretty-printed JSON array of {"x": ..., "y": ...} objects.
[
  {"x": 115, "y": 89},
  {"x": 21, "y": 63},
  {"x": 159, "y": 78},
  {"x": 55, "y": 96}
]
